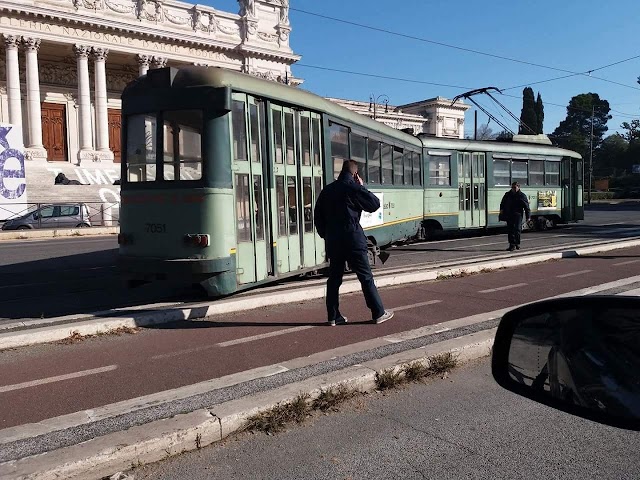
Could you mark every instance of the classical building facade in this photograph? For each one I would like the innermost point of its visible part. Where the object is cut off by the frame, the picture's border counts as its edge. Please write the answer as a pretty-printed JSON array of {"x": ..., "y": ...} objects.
[
  {"x": 64, "y": 64},
  {"x": 435, "y": 116}
]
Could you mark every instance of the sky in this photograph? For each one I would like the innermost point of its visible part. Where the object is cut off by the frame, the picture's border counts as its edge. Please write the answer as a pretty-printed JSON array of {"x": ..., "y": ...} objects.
[{"x": 570, "y": 35}]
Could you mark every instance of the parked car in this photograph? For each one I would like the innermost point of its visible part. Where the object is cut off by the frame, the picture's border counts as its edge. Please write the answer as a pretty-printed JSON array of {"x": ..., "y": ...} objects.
[{"x": 51, "y": 216}]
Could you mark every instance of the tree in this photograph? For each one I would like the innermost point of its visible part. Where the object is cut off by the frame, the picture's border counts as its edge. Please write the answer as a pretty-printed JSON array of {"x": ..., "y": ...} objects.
[
  {"x": 504, "y": 136},
  {"x": 574, "y": 132},
  {"x": 528, "y": 118},
  {"x": 611, "y": 158},
  {"x": 485, "y": 133},
  {"x": 539, "y": 108},
  {"x": 633, "y": 130}
]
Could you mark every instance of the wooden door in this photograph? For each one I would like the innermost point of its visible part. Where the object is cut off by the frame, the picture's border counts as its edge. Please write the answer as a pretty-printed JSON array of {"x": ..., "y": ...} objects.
[
  {"x": 115, "y": 128},
  {"x": 54, "y": 131}
]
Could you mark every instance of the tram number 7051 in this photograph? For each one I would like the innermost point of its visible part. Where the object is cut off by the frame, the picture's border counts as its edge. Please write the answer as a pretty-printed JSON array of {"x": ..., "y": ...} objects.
[{"x": 155, "y": 228}]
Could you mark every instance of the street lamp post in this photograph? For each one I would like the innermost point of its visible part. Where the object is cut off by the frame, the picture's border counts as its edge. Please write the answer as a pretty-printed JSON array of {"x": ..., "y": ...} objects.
[{"x": 373, "y": 101}]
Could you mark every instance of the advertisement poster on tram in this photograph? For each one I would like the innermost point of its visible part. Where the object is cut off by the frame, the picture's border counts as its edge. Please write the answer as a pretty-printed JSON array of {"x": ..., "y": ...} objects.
[
  {"x": 548, "y": 200},
  {"x": 13, "y": 181},
  {"x": 376, "y": 218}
]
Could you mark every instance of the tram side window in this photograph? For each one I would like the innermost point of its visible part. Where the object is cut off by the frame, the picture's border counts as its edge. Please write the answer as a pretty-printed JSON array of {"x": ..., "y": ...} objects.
[
  {"x": 258, "y": 206},
  {"x": 398, "y": 172},
  {"x": 536, "y": 172},
  {"x": 292, "y": 194},
  {"x": 417, "y": 168},
  {"x": 387, "y": 164},
  {"x": 239, "y": 123},
  {"x": 408, "y": 167},
  {"x": 141, "y": 148},
  {"x": 306, "y": 140},
  {"x": 502, "y": 172},
  {"x": 339, "y": 147},
  {"x": 277, "y": 134},
  {"x": 519, "y": 172},
  {"x": 307, "y": 205},
  {"x": 243, "y": 208},
  {"x": 280, "y": 199},
  {"x": 289, "y": 140},
  {"x": 182, "y": 145},
  {"x": 358, "y": 153},
  {"x": 439, "y": 170},
  {"x": 256, "y": 151},
  {"x": 552, "y": 173},
  {"x": 373, "y": 158},
  {"x": 315, "y": 126}
]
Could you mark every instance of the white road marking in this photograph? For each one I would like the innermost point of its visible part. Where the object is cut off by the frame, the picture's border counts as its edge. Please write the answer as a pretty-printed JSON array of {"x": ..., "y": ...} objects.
[
  {"x": 507, "y": 287},
  {"x": 58, "y": 378},
  {"x": 415, "y": 305},
  {"x": 573, "y": 274},
  {"x": 631, "y": 293},
  {"x": 629, "y": 262},
  {"x": 264, "y": 335}
]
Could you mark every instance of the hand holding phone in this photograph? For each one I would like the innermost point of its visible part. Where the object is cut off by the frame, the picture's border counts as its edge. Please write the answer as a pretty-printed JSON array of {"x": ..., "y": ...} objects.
[{"x": 358, "y": 179}]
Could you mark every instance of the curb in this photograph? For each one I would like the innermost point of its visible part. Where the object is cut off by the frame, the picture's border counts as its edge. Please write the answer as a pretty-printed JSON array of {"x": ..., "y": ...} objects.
[
  {"x": 66, "y": 232},
  {"x": 161, "y": 439},
  {"x": 95, "y": 326}
]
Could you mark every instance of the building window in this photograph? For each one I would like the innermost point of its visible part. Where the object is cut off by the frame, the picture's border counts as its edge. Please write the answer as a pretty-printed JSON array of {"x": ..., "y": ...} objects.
[
  {"x": 519, "y": 172},
  {"x": 439, "y": 170},
  {"x": 552, "y": 173},
  {"x": 501, "y": 172},
  {"x": 536, "y": 172}
]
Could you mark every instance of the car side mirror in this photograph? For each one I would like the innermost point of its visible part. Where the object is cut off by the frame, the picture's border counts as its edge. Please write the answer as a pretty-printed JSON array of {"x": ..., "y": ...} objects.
[
  {"x": 36, "y": 216},
  {"x": 580, "y": 355}
]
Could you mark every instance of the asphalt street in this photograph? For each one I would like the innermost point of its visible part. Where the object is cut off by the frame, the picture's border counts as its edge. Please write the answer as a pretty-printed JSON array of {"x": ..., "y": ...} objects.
[
  {"x": 49, "y": 278},
  {"x": 464, "y": 426}
]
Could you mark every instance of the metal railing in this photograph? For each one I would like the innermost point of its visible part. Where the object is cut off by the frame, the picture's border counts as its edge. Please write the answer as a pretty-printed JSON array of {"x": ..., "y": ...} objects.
[{"x": 22, "y": 216}]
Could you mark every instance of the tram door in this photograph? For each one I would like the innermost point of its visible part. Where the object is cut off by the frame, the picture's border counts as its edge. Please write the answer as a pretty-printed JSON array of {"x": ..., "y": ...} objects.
[
  {"x": 472, "y": 190},
  {"x": 572, "y": 189},
  {"x": 254, "y": 251}
]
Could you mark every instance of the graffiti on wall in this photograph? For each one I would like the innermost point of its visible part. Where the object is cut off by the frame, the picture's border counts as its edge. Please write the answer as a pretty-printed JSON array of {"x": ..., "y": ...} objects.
[
  {"x": 110, "y": 193},
  {"x": 13, "y": 182}
]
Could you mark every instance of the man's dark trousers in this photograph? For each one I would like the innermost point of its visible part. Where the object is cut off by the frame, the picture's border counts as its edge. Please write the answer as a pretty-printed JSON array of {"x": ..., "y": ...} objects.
[
  {"x": 359, "y": 263},
  {"x": 514, "y": 228}
]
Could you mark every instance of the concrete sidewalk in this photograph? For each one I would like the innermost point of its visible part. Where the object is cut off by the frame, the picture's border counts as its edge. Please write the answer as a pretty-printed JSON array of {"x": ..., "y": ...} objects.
[{"x": 37, "y": 234}]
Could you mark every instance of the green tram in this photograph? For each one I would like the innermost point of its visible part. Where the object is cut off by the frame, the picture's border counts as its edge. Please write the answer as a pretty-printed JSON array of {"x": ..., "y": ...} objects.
[{"x": 221, "y": 172}]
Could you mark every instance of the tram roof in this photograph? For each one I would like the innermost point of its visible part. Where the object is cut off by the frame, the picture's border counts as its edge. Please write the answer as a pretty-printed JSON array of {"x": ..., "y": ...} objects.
[
  {"x": 193, "y": 76},
  {"x": 515, "y": 148}
]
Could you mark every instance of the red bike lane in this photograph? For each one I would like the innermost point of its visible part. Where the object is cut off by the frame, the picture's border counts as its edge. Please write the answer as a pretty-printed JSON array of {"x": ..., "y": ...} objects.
[{"x": 114, "y": 368}]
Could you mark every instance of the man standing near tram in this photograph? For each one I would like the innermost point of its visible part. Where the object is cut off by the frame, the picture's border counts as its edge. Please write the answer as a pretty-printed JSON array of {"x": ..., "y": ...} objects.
[
  {"x": 512, "y": 206},
  {"x": 337, "y": 220}
]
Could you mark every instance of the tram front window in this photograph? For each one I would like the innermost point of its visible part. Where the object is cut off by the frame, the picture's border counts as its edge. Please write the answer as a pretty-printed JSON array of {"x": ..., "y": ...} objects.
[{"x": 180, "y": 143}]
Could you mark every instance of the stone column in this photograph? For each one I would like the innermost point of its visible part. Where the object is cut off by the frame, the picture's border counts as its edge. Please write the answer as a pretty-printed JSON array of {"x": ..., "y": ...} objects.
[
  {"x": 102, "y": 114},
  {"x": 34, "y": 113},
  {"x": 13, "y": 80},
  {"x": 85, "y": 152},
  {"x": 159, "y": 62},
  {"x": 143, "y": 64}
]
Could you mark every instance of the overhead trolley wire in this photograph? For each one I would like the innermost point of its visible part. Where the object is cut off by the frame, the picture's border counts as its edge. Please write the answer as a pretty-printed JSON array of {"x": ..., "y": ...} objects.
[{"x": 477, "y": 52}]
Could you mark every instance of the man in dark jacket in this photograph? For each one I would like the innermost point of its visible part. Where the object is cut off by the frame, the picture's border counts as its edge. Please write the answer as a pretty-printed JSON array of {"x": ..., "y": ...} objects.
[
  {"x": 513, "y": 204},
  {"x": 337, "y": 219}
]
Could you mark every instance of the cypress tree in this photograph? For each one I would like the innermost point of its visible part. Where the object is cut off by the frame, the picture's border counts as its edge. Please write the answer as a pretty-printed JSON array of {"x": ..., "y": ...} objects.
[
  {"x": 539, "y": 114},
  {"x": 528, "y": 118}
]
